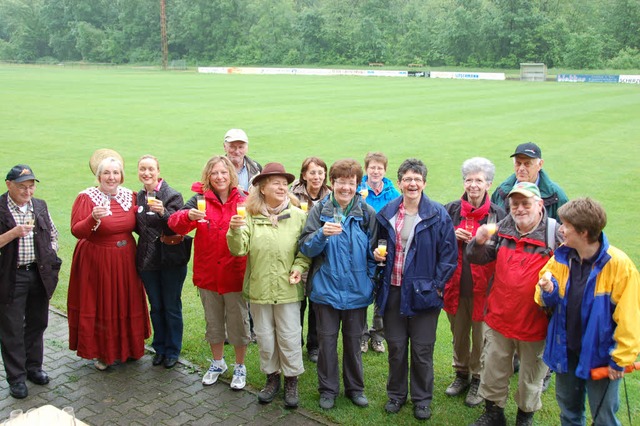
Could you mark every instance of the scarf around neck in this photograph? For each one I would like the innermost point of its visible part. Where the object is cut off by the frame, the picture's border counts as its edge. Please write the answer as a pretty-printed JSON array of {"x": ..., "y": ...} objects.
[
  {"x": 272, "y": 213},
  {"x": 467, "y": 210}
]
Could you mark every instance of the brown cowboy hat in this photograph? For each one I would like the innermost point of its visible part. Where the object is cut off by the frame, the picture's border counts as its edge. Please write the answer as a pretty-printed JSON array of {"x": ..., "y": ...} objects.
[
  {"x": 273, "y": 169},
  {"x": 100, "y": 155}
]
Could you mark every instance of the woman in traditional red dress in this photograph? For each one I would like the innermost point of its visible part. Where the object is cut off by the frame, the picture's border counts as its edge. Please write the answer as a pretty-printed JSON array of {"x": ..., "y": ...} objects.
[{"x": 106, "y": 303}]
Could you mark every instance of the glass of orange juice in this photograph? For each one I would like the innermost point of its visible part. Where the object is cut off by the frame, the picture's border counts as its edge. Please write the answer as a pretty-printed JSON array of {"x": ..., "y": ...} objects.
[
  {"x": 151, "y": 199},
  {"x": 364, "y": 191},
  {"x": 491, "y": 223},
  {"x": 202, "y": 206},
  {"x": 382, "y": 250}
]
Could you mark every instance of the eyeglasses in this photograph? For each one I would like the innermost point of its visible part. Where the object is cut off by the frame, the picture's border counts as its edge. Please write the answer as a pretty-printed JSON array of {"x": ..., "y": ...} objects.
[
  {"x": 525, "y": 203},
  {"x": 344, "y": 184},
  {"x": 409, "y": 180}
]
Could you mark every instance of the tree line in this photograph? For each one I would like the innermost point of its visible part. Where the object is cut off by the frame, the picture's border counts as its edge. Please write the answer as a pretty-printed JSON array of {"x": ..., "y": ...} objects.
[{"x": 470, "y": 33}]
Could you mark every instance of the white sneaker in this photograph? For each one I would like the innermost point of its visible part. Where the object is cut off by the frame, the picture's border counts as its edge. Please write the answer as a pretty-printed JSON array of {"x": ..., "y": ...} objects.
[
  {"x": 239, "y": 377},
  {"x": 215, "y": 370}
]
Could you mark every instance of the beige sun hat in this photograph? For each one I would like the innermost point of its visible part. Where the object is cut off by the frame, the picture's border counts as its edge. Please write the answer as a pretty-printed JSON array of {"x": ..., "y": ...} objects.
[{"x": 100, "y": 155}]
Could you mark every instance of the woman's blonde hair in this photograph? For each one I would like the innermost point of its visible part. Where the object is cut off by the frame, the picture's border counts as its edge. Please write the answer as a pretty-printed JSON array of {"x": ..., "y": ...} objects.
[
  {"x": 206, "y": 172},
  {"x": 150, "y": 157},
  {"x": 255, "y": 202}
]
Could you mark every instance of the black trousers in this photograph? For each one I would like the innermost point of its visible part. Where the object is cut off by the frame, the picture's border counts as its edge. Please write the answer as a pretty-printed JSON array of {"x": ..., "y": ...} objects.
[
  {"x": 329, "y": 322},
  {"x": 418, "y": 335},
  {"x": 22, "y": 326},
  {"x": 312, "y": 332}
]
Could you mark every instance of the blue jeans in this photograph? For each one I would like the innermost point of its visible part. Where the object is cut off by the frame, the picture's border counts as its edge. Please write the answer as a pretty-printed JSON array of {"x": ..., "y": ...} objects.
[
  {"x": 602, "y": 394},
  {"x": 164, "y": 289}
]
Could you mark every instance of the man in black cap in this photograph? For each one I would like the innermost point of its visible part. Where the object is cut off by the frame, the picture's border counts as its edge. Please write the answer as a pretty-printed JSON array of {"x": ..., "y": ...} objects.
[
  {"x": 527, "y": 161},
  {"x": 527, "y": 164},
  {"x": 29, "y": 269}
]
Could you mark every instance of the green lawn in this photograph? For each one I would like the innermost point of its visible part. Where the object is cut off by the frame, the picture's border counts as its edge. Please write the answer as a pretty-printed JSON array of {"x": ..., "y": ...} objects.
[{"x": 53, "y": 118}]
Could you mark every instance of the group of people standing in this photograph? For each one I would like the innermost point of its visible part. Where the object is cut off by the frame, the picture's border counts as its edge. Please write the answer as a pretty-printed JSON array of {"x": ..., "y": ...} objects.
[{"x": 511, "y": 271}]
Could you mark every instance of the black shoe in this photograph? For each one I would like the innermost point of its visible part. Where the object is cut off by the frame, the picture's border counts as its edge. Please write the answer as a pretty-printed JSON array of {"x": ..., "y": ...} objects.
[
  {"x": 170, "y": 362},
  {"x": 313, "y": 355},
  {"x": 19, "y": 390},
  {"x": 392, "y": 406},
  {"x": 421, "y": 412},
  {"x": 157, "y": 359},
  {"x": 359, "y": 399},
  {"x": 327, "y": 403},
  {"x": 38, "y": 377},
  {"x": 524, "y": 418}
]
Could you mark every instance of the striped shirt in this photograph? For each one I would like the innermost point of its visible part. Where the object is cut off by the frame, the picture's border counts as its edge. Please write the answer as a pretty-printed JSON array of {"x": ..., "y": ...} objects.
[{"x": 26, "y": 247}]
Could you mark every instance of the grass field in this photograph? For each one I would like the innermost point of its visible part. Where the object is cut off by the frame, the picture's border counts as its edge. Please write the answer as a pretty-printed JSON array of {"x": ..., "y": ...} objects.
[{"x": 53, "y": 118}]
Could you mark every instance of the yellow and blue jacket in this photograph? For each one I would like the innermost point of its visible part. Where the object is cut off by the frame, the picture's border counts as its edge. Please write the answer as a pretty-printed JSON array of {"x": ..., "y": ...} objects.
[{"x": 610, "y": 312}]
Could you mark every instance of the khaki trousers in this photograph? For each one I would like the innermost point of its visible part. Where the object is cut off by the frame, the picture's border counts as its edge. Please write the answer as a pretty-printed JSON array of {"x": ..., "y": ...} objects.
[
  {"x": 278, "y": 329},
  {"x": 498, "y": 368},
  {"x": 468, "y": 339}
]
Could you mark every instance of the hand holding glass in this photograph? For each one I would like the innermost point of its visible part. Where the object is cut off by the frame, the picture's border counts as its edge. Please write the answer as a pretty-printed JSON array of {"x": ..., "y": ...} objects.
[
  {"x": 382, "y": 250},
  {"x": 337, "y": 214},
  {"x": 468, "y": 224},
  {"x": 106, "y": 203},
  {"x": 241, "y": 210},
  {"x": 151, "y": 199},
  {"x": 491, "y": 223},
  {"x": 202, "y": 206}
]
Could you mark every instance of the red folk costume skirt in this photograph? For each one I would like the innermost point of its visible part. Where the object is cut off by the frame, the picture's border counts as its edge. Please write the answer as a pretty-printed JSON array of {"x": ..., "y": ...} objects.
[{"x": 107, "y": 307}]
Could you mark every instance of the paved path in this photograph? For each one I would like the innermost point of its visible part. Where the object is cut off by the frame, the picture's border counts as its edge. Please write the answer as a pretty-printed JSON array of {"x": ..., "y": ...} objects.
[{"x": 137, "y": 393}]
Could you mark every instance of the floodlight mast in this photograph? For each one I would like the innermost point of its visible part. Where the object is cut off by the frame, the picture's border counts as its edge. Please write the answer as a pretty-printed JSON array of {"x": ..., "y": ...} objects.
[{"x": 163, "y": 34}]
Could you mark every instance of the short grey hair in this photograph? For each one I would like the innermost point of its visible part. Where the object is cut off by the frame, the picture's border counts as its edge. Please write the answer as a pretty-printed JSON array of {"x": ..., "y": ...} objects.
[
  {"x": 479, "y": 165},
  {"x": 412, "y": 165},
  {"x": 107, "y": 161}
]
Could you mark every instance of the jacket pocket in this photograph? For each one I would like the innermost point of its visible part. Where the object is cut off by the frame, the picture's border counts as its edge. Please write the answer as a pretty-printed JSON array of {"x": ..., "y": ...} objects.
[{"x": 424, "y": 295}]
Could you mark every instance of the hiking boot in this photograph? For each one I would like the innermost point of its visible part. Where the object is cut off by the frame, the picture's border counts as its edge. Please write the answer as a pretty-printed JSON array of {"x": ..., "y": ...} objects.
[
  {"x": 524, "y": 419},
  {"x": 492, "y": 416},
  {"x": 459, "y": 385},
  {"x": 364, "y": 346},
  {"x": 313, "y": 355},
  {"x": 377, "y": 346},
  {"x": 239, "y": 380},
  {"x": 216, "y": 369},
  {"x": 473, "y": 399},
  {"x": 291, "y": 392},
  {"x": 271, "y": 388},
  {"x": 546, "y": 381}
]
